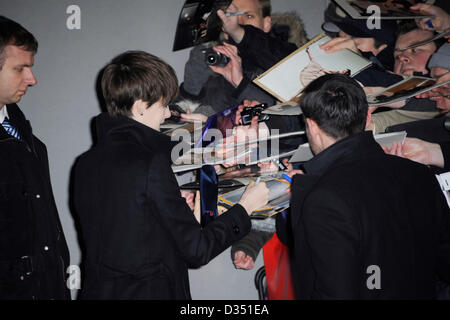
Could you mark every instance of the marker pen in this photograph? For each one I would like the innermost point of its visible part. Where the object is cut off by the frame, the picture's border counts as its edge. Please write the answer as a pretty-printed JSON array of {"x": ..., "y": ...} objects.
[
  {"x": 287, "y": 178},
  {"x": 234, "y": 14}
]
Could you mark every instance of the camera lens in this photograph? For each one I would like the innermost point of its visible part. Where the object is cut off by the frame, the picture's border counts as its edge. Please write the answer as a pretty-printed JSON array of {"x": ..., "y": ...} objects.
[
  {"x": 214, "y": 58},
  {"x": 211, "y": 59}
]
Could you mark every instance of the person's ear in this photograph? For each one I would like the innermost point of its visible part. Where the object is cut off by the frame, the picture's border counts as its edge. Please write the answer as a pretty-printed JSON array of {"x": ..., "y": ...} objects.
[
  {"x": 267, "y": 24},
  {"x": 138, "y": 108},
  {"x": 312, "y": 127}
]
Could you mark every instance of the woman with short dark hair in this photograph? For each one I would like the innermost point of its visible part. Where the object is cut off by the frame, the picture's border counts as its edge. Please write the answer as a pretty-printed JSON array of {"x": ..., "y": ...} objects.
[{"x": 140, "y": 236}]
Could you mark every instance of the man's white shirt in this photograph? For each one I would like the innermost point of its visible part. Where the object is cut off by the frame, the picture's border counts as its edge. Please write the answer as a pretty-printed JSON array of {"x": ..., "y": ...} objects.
[{"x": 3, "y": 114}]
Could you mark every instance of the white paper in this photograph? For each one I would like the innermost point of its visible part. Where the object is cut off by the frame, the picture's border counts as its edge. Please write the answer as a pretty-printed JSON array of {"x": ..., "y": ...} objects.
[{"x": 289, "y": 77}]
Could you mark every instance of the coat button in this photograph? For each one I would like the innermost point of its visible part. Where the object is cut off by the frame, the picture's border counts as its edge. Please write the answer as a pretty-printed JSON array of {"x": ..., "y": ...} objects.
[{"x": 236, "y": 229}]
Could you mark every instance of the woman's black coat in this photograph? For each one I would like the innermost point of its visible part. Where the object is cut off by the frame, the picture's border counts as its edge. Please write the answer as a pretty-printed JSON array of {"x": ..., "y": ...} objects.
[{"x": 140, "y": 236}]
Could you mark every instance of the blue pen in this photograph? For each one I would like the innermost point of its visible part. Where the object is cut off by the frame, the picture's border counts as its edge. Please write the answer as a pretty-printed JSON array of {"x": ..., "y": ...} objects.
[
  {"x": 234, "y": 14},
  {"x": 287, "y": 178}
]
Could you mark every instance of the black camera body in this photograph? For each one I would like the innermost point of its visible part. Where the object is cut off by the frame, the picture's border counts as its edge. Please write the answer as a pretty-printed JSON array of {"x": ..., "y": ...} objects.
[
  {"x": 175, "y": 113},
  {"x": 249, "y": 112},
  {"x": 214, "y": 58}
]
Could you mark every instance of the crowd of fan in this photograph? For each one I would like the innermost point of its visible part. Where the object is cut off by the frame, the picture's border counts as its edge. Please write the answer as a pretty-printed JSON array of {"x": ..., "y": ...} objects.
[{"x": 258, "y": 40}]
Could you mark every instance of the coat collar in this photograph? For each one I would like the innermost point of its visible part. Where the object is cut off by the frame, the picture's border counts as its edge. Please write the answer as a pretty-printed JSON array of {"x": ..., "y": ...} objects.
[
  {"x": 343, "y": 150},
  {"x": 19, "y": 121},
  {"x": 118, "y": 127},
  {"x": 353, "y": 148}
]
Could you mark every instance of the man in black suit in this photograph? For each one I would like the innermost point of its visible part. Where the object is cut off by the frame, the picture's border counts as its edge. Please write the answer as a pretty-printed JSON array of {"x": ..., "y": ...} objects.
[
  {"x": 363, "y": 224},
  {"x": 33, "y": 251}
]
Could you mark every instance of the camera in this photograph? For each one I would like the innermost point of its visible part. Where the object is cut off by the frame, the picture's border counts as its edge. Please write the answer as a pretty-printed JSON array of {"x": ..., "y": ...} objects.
[
  {"x": 175, "y": 113},
  {"x": 249, "y": 112},
  {"x": 214, "y": 58}
]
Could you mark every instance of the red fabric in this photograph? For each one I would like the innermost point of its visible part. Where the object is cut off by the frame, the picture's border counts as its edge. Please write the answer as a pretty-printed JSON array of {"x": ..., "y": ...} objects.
[{"x": 278, "y": 270}]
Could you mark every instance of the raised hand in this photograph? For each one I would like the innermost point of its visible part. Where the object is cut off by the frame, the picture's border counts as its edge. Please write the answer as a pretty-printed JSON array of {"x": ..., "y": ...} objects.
[{"x": 232, "y": 72}]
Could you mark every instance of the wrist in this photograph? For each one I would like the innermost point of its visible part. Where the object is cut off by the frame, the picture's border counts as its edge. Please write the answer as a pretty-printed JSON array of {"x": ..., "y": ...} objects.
[
  {"x": 436, "y": 156},
  {"x": 238, "y": 35},
  {"x": 247, "y": 206},
  {"x": 237, "y": 81}
]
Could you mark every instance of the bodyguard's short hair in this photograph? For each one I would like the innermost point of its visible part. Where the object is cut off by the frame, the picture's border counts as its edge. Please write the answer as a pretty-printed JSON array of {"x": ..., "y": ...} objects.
[
  {"x": 337, "y": 103},
  {"x": 137, "y": 75},
  {"x": 12, "y": 33}
]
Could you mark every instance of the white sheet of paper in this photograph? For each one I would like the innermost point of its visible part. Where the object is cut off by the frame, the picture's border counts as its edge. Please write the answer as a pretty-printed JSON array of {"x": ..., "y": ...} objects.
[
  {"x": 444, "y": 182},
  {"x": 284, "y": 110},
  {"x": 288, "y": 77}
]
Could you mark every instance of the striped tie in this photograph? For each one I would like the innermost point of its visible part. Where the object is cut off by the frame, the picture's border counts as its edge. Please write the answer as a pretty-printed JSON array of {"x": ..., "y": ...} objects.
[{"x": 10, "y": 129}]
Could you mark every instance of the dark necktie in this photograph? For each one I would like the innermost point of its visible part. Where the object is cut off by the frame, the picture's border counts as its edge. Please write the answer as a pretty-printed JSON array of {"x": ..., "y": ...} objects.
[{"x": 10, "y": 129}]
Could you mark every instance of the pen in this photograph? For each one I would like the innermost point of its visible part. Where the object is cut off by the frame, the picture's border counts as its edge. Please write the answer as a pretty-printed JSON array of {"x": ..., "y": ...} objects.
[
  {"x": 234, "y": 14},
  {"x": 257, "y": 180},
  {"x": 281, "y": 166},
  {"x": 287, "y": 178}
]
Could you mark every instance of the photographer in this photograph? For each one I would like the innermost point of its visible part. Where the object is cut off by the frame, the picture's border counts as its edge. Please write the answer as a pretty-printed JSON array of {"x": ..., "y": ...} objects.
[{"x": 222, "y": 86}]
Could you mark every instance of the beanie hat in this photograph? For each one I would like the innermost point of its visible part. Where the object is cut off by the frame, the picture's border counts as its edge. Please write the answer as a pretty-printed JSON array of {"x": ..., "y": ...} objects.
[{"x": 441, "y": 58}]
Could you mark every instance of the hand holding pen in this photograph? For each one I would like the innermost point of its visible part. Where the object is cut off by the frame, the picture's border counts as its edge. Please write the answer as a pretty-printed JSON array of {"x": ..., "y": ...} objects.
[
  {"x": 231, "y": 23},
  {"x": 440, "y": 21},
  {"x": 290, "y": 174}
]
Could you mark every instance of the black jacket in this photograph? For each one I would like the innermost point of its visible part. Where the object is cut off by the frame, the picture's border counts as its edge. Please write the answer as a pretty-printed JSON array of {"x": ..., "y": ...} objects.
[
  {"x": 33, "y": 250},
  {"x": 140, "y": 236},
  {"x": 356, "y": 208},
  {"x": 259, "y": 51}
]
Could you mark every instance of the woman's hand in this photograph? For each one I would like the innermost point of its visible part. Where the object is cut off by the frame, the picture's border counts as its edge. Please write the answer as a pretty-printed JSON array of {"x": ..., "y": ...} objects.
[
  {"x": 193, "y": 117},
  {"x": 254, "y": 197}
]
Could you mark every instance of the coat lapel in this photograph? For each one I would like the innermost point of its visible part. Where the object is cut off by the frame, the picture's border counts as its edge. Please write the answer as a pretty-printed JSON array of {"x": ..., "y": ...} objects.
[{"x": 19, "y": 121}]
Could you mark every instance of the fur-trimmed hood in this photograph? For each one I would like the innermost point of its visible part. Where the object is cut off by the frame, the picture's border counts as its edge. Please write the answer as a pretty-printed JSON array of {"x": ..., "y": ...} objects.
[{"x": 289, "y": 27}]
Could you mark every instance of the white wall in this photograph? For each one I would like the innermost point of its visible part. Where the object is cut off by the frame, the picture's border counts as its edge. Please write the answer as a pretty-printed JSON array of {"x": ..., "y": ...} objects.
[{"x": 63, "y": 103}]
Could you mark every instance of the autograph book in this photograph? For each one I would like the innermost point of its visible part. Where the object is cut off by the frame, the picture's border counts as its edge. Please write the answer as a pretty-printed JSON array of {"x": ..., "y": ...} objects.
[{"x": 287, "y": 79}]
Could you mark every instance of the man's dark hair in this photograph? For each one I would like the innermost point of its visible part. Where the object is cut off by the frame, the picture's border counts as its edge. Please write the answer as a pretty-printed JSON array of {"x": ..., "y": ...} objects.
[
  {"x": 135, "y": 75},
  {"x": 12, "y": 33},
  {"x": 405, "y": 27},
  {"x": 410, "y": 25},
  {"x": 337, "y": 103},
  {"x": 266, "y": 8}
]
